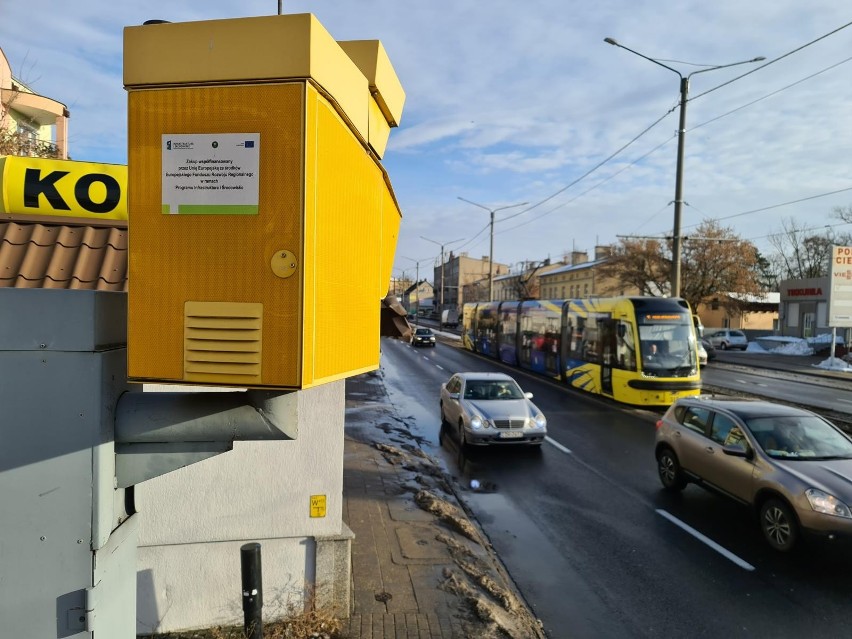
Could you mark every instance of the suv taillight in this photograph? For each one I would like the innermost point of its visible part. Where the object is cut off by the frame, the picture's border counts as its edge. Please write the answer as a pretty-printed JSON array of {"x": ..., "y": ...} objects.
[{"x": 659, "y": 424}]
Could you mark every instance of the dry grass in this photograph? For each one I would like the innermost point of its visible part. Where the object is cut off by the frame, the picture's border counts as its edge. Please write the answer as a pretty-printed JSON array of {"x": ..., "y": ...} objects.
[{"x": 311, "y": 624}]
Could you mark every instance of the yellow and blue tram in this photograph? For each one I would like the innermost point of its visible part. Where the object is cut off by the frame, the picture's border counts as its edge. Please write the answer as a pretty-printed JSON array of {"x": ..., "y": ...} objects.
[{"x": 636, "y": 350}]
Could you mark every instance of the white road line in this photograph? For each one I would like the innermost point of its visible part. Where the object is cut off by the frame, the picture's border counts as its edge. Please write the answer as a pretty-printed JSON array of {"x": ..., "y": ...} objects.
[
  {"x": 439, "y": 367},
  {"x": 719, "y": 549},
  {"x": 848, "y": 401},
  {"x": 555, "y": 443}
]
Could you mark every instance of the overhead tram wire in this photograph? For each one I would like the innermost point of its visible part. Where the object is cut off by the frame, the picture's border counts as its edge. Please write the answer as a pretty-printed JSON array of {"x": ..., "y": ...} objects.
[
  {"x": 618, "y": 152},
  {"x": 593, "y": 169},
  {"x": 669, "y": 112},
  {"x": 764, "y": 208},
  {"x": 591, "y": 188},
  {"x": 773, "y": 61},
  {"x": 805, "y": 230},
  {"x": 769, "y": 95}
]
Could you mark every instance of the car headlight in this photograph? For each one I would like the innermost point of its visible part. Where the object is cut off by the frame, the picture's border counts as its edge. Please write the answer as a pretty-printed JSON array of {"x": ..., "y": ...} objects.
[
  {"x": 537, "y": 421},
  {"x": 476, "y": 422},
  {"x": 822, "y": 502}
]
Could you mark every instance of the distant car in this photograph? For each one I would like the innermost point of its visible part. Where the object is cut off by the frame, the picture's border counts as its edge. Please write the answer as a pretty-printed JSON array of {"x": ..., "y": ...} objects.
[
  {"x": 702, "y": 354},
  {"x": 709, "y": 349},
  {"x": 490, "y": 408},
  {"x": 790, "y": 465},
  {"x": 728, "y": 338},
  {"x": 423, "y": 337}
]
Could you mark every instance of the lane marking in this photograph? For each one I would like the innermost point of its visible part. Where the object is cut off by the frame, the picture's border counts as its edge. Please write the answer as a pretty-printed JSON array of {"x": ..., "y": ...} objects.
[
  {"x": 439, "y": 367},
  {"x": 555, "y": 443},
  {"x": 727, "y": 554}
]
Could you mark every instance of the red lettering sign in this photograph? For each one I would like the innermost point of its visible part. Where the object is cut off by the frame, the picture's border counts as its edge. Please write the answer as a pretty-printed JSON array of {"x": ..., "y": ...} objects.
[{"x": 801, "y": 292}]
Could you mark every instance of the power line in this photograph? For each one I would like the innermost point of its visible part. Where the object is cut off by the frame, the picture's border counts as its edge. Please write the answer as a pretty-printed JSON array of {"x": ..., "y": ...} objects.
[
  {"x": 781, "y": 57},
  {"x": 769, "y": 95},
  {"x": 593, "y": 169},
  {"x": 669, "y": 112}
]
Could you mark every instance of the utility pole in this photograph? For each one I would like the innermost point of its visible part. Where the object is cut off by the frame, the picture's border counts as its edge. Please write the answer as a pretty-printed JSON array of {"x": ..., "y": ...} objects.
[
  {"x": 442, "y": 245},
  {"x": 491, "y": 246},
  {"x": 681, "y": 135}
]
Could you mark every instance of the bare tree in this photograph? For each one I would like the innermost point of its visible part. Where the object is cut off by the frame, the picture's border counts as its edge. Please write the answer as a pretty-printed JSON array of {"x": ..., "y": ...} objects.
[{"x": 801, "y": 252}]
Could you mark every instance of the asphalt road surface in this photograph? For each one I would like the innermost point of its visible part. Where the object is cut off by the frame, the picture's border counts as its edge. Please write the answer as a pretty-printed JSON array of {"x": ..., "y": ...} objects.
[{"x": 594, "y": 544}]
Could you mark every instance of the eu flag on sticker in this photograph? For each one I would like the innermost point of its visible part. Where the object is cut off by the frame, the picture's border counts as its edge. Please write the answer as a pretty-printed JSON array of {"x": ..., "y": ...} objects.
[{"x": 249, "y": 144}]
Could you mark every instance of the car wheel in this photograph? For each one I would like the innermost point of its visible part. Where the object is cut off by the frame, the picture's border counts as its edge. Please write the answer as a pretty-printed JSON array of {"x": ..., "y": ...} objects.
[
  {"x": 462, "y": 439},
  {"x": 779, "y": 525},
  {"x": 668, "y": 468},
  {"x": 724, "y": 346},
  {"x": 444, "y": 421}
]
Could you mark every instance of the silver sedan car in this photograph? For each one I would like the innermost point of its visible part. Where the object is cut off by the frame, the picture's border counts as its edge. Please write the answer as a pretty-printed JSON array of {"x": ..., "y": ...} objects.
[{"x": 490, "y": 408}]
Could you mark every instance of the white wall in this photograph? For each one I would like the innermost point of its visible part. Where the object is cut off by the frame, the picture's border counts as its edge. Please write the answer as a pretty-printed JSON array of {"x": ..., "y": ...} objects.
[{"x": 194, "y": 520}]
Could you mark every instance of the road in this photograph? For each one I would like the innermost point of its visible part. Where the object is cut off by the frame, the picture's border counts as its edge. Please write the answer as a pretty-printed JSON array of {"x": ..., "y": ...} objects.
[{"x": 593, "y": 543}]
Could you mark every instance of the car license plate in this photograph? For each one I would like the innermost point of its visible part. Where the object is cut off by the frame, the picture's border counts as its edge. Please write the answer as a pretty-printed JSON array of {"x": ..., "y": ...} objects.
[{"x": 511, "y": 434}]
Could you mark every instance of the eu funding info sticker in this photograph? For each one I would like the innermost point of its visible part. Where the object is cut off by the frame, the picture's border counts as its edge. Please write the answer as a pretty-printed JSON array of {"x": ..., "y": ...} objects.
[{"x": 211, "y": 174}]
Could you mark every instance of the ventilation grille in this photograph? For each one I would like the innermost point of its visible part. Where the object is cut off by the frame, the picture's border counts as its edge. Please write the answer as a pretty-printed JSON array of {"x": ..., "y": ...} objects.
[{"x": 222, "y": 342}]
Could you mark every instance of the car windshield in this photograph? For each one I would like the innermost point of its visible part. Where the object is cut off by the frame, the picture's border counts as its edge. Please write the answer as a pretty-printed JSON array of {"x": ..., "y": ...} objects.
[
  {"x": 423, "y": 331},
  {"x": 492, "y": 389},
  {"x": 800, "y": 437}
]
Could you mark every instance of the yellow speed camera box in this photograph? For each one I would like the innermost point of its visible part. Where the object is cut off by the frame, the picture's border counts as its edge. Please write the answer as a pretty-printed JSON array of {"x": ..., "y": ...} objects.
[{"x": 262, "y": 223}]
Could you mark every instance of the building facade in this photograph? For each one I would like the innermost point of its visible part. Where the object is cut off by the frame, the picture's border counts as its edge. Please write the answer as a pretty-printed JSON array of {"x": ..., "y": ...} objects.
[
  {"x": 582, "y": 278},
  {"x": 30, "y": 124},
  {"x": 803, "y": 307},
  {"x": 419, "y": 298},
  {"x": 755, "y": 315},
  {"x": 461, "y": 278}
]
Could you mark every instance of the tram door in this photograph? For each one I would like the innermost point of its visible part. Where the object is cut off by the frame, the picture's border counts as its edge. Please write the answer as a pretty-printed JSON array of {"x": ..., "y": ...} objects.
[{"x": 607, "y": 328}]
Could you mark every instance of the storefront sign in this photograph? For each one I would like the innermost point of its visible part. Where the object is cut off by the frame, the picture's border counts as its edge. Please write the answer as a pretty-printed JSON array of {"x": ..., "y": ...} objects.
[
  {"x": 62, "y": 188},
  {"x": 840, "y": 290}
]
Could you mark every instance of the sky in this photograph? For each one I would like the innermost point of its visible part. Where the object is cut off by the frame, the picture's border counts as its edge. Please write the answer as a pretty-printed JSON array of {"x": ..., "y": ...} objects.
[{"x": 523, "y": 105}]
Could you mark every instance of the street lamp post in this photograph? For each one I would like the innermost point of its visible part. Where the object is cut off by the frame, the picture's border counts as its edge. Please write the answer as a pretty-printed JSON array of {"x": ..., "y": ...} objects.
[
  {"x": 681, "y": 135},
  {"x": 441, "y": 294},
  {"x": 491, "y": 245}
]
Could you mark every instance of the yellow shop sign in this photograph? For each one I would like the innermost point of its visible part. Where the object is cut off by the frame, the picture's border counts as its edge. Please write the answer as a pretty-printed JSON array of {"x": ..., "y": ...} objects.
[{"x": 64, "y": 188}]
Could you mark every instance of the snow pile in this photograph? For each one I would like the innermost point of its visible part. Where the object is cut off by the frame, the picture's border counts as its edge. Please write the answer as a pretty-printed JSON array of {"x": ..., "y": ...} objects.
[
  {"x": 800, "y": 347},
  {"x": 780, "y": 346}
]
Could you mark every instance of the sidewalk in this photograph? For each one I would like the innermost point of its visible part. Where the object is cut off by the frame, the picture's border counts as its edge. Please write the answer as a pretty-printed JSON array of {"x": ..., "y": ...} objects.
[{"x": 421, "y": 568}]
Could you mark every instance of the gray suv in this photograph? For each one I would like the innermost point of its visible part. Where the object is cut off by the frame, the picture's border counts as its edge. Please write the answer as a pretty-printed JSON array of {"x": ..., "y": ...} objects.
[{"x": 790, "y": 465}]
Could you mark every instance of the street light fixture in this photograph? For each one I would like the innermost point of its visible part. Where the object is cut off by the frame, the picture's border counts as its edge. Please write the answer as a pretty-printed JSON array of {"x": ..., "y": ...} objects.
[
  {"x": 491, "y": 247},
  {"x": 681, "y": 134},
  {"x": 442, "y": 245}
]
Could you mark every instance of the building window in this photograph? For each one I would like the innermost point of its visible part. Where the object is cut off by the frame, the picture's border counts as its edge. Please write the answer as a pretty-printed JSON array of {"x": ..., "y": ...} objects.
[{"x": 792, "y": 314}]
